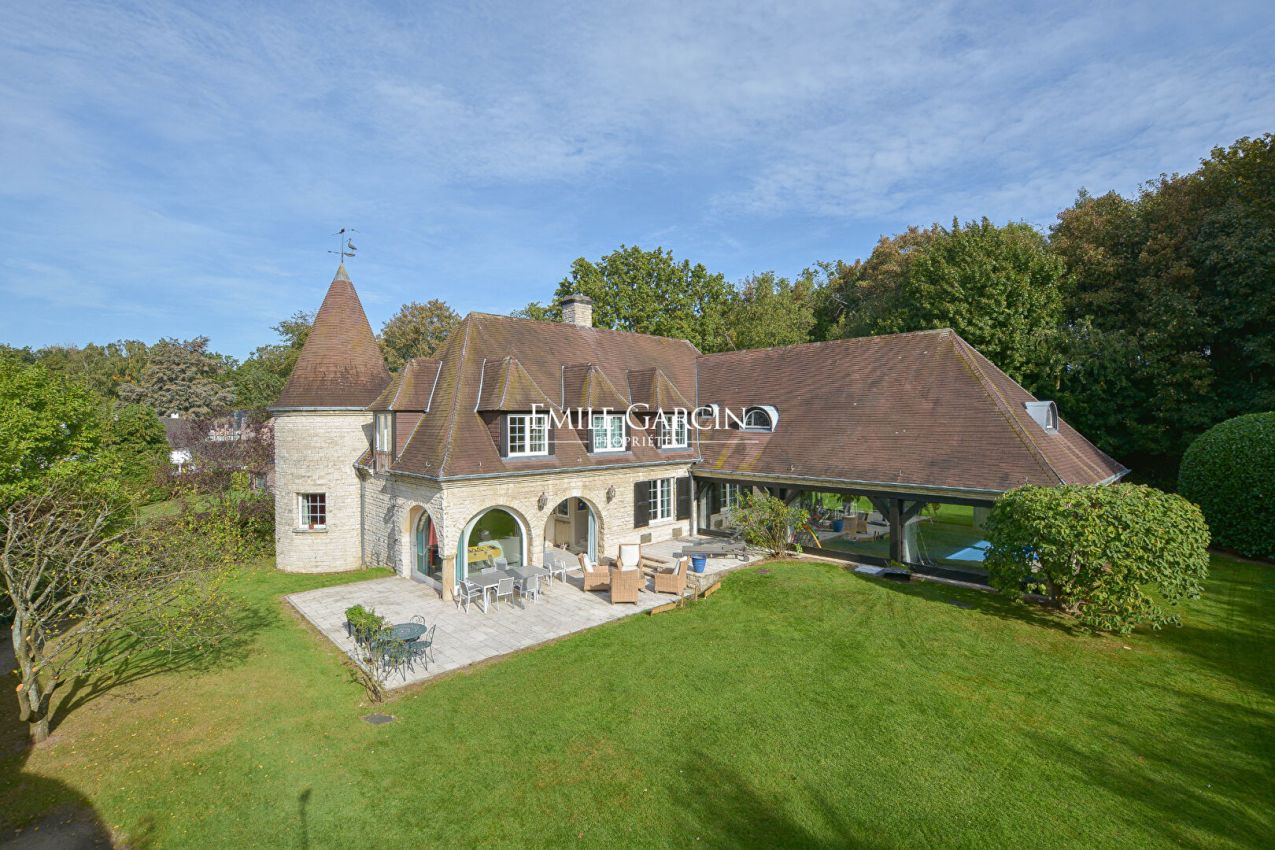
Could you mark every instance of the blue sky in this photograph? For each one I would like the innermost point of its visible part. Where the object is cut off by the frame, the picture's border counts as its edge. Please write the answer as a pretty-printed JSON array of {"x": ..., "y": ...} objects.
[{"x": 175, "y": 170}]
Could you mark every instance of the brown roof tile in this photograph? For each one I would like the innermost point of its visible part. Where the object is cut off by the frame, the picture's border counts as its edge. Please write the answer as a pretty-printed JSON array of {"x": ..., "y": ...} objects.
[
  {"x": 411, "y": 388},
  {"x": 340, "y": 366},
  {"x": 454, "y": 439},
  {"x": 653, "y": 388},
  {"x": 922, "y": 409},
  {"x": 506, "y": 386},
  {"x": 586, "y": 386}
]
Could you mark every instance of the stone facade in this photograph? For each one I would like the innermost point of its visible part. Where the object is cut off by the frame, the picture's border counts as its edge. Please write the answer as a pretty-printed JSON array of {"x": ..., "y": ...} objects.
[
  {"x": 391, "y": 504},
  {"x": 315, "y": 452}
]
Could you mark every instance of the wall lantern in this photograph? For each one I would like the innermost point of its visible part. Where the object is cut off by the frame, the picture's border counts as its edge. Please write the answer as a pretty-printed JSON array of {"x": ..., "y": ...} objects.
[
  {"x": 611, "y": 493},
  {"x": 542, "y": 501}
]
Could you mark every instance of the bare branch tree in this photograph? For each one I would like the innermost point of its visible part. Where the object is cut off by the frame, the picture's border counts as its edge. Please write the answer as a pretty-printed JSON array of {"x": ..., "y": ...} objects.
[{"x": 89, "y": 587}]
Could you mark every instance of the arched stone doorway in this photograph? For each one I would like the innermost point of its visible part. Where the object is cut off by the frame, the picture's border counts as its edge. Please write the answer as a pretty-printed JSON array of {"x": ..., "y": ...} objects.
[
  {"x": 573, "y": 525},
  {"x": 491, "y": 537}
]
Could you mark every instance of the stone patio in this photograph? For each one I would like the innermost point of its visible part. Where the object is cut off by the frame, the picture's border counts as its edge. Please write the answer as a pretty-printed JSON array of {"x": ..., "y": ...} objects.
[{"x": 464, "y": 637}]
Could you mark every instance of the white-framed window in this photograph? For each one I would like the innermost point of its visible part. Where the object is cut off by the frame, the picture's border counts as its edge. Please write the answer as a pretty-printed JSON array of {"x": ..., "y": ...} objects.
[
  {"x": 661, "y": 499},
  {"x": 608, "y": 432},
  {"x": 313, "y": 510},
  {"x": 756, "y": 419},
  {"x": 730, "y": 496},
  {"x": 384, "y": 432},
  {"x": 673, "y": 431},
  {"x": 528, "y": 434}
]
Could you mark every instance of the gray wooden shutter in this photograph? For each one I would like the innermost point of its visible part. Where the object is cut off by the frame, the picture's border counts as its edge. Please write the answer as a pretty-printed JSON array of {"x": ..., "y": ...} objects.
[
  {"x": 641, "y": 504},
  {"x": 504, "y": 435},
  {"x": 683, "y": 498}
]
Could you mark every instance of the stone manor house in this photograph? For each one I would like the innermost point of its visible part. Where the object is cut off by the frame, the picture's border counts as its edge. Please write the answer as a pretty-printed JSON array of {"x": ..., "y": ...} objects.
[{"x": 520, "y": 435}]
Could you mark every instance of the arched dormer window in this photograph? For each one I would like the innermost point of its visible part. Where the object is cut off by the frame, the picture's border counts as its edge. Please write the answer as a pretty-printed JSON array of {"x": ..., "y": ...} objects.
[{"x": 763, "y": 418}]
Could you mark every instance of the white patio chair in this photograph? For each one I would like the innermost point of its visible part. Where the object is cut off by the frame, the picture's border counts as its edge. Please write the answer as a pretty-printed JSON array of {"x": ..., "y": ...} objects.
[
  {"x": 505, "y": 588},
  {"x": 466, "y": 593},
  {"x": 528, "y": 588}
]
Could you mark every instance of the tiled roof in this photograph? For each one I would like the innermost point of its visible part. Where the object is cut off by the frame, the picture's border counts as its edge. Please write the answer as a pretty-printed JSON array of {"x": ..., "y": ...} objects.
[
  {"x": 411, "y": 388},
  {"x": 653, "y": 388},
  {"x": 922, "y": 409},
  {"x": 340, "y": 366},
  {"x": 586, "y": 386},
  {"x": 457, "y": 438},
  {"x": 506, "y": 387}
]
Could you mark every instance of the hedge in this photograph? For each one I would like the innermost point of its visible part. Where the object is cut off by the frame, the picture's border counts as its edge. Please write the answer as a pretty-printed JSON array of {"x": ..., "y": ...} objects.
[{"x": 1229, "y": 471}]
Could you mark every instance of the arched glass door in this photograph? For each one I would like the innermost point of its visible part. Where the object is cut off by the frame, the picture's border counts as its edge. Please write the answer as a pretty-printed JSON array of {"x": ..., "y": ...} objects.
[
  {"x": 426, "y": 559},
  {"x": 494, "y": 538}
]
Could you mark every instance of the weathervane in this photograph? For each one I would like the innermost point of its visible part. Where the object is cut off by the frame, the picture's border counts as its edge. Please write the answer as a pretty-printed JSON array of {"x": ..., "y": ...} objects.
[{"x": 345, "y": 245}]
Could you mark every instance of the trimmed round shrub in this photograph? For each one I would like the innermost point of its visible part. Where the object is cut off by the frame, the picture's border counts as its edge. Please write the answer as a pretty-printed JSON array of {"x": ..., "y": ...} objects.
[
  {"x": 1229, "y": 471},
  {"x": 1112, "y": 557}
]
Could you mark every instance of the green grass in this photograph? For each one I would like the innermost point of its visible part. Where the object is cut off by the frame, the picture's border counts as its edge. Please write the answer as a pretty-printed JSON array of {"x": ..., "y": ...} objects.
[{"x": 804, "y": 707}]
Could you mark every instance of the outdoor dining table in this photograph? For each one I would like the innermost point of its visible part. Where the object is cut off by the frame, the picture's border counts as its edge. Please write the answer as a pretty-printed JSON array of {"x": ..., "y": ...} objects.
[
  {"x": 488, "y": 580},
  {"x": 408, "y": 632}
]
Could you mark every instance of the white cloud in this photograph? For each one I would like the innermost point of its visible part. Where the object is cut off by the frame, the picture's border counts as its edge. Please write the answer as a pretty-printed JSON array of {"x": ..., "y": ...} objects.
[{"x": 154, "y": 144}]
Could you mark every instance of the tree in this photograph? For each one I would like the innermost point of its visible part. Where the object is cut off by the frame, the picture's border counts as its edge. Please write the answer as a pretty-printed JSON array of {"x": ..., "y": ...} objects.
[
  {"x": 1229, "y": 471},
  {"x": 767, "y": 522},
  {"x": 998, "y": 287},
  {"x": 1173, "y": 294},
  {"x": 91, "y": 588},
  {"x": 137, "y": 439},
  {"x": 53, "y": 429},
  {"x": 101, "y": 368},
  {"x": 769, "y": 311},
  {"x": 182, "y": 377},
  {"x": 260, "y": 379},
  {"x": 651, "y": 292},
  {"x": 416, "y": 330},
  {"x": 1107, "y": 556},
  {"x": 867, "y": 294},
  {"x": 229, "y": 460},
  {"x": 539, "y": 312}
]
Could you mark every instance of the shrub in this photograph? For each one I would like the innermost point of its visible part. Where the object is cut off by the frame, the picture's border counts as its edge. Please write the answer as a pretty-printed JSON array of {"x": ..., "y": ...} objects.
[
  {"x": 1098, "y": 551},
  {"x": 767, "y": 522},
  {"x": 1229, "y": 471}
]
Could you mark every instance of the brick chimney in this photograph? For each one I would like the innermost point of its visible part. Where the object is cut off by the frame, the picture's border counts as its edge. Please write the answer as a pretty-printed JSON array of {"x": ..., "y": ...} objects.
[{"x": 578, "y": 310}]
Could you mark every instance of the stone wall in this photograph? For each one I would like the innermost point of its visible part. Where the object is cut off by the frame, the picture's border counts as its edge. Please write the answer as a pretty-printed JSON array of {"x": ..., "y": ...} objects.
[
  {"x": 389, "y": 502},
  {"x": 315, "y": 453},
  {"x": 388, "y": 518}
]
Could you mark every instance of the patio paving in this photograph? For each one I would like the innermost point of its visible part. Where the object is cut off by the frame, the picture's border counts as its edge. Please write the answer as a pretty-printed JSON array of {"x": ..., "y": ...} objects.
[{"x": 468, "y": 637}]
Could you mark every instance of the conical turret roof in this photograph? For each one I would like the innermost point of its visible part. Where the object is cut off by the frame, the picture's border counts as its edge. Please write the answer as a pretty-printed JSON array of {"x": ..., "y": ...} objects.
[{"x": 340, "y": 366}]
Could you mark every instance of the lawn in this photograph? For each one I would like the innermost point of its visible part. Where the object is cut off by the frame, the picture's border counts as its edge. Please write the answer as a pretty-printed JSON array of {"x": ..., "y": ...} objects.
[{"x": 805, "y": 706}]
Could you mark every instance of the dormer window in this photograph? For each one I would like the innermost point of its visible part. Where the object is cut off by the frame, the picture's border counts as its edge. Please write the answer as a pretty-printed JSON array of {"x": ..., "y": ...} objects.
[
  {"x": 384, "y": 432},
  {"x": 1045, "y": 413},
  {"x": 528, "y": 435},
  {"x": 608, "y": 432},
  {"x": 760, "y": 419},
  {"x": 673, "y": 430}
]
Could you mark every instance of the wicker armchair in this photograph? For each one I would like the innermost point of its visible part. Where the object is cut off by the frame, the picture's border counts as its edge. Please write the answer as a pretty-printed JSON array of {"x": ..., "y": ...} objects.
[
  {"x": 595, "y": 577},
  {"x": 625, "y": 584},
  {"x": 672, "y": 580}
]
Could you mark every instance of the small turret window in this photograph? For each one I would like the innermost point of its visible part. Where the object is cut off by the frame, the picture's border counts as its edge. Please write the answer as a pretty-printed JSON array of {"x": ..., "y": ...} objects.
[{"x": 314, "y": 511}]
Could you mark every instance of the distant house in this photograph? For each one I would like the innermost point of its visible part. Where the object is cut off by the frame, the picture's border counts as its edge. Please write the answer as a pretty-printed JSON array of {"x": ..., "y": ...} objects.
[
  {"x": 221, "y": 440},
  {"x": 520, "y": 435}
]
